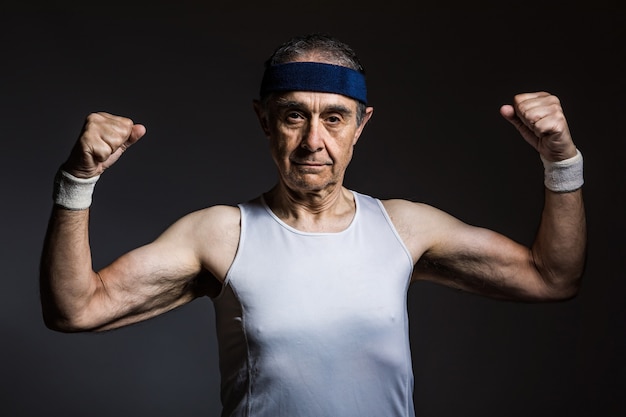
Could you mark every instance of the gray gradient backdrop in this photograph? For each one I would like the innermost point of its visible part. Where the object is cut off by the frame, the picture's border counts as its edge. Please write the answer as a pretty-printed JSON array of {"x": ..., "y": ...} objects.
[{"x": 437, "y": 76}]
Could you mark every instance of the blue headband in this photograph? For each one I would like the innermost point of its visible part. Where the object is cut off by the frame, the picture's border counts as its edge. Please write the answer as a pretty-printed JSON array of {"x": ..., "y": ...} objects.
[{"x": 314, "y": 76}]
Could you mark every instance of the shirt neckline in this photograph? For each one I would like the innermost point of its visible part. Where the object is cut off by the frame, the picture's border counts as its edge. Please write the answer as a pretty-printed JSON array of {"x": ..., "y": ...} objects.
[{"x": 300, "y": 232}]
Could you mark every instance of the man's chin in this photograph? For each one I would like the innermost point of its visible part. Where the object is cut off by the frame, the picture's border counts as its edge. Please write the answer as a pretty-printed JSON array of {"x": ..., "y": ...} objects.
[{"x": 310, "y": 183}]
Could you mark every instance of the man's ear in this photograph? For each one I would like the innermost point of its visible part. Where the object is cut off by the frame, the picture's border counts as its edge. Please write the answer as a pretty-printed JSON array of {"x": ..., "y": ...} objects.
[
  {"x": 261, "y": 114},
  {"x": 369, "y": 111}
]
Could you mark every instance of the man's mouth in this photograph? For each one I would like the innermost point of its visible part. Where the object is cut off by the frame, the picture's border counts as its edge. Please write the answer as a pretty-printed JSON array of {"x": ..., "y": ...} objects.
[{"x": 310, "y": 163}]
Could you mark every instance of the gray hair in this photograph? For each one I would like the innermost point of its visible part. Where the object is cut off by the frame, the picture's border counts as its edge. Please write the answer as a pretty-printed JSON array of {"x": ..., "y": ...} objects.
[{"x": 326, "y": 47}]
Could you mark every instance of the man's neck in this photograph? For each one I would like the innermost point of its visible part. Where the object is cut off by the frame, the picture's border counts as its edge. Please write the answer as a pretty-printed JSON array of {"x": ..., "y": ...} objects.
[{"x": 313, "y": 211}]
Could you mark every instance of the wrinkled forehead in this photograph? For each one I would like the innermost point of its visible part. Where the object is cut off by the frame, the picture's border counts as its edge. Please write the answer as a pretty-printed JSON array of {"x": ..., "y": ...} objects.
[
  {"x": 313, "y": 101},
  {"x": 315, "y": 77}
]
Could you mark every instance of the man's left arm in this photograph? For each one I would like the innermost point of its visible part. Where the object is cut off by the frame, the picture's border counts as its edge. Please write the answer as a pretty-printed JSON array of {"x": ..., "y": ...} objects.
[
  {"x": 482, "y": 261},
  {"x": 558, "y": 251}
]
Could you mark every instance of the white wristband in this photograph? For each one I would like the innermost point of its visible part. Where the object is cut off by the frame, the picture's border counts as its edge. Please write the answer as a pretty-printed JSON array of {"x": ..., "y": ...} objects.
[
  {"x": 73, "y": 193},
  {"x": 564, "y": 176}
]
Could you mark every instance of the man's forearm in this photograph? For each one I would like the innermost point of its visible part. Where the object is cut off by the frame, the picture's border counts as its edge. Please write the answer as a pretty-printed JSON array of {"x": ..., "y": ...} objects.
[
  {"x": 559, "y": 250},
  {"x": 66, "y": 273}
]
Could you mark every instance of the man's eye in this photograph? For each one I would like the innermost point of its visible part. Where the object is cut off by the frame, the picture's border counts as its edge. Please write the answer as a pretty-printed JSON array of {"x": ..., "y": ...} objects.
[
  {"x": 333, "y": 119},
  {"x": 294, "y": 115}
]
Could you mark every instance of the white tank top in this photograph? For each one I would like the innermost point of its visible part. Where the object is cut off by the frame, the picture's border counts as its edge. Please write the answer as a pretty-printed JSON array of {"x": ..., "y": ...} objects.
[{"x": 315, "y": 324}]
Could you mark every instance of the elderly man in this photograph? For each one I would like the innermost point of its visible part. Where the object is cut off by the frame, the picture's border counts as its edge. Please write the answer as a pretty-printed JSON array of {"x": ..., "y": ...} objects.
[{"x": 309, "y": 280}]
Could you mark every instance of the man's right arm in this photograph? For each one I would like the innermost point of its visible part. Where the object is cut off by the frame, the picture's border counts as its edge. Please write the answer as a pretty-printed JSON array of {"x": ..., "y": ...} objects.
[
  {"x": 146, "y": 281},
  {"x": 142, "y": 283}
]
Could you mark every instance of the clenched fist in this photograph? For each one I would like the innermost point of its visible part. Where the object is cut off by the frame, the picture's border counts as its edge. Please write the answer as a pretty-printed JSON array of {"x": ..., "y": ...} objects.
[
  {"x": 103, "y": 139},
  {"x": 540, "y": 120}
]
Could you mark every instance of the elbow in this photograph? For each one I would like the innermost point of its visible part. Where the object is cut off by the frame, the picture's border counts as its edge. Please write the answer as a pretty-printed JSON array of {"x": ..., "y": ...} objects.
[
  {"x": 64, "y": 315},
  {"x": 563, "y": 289},
  {"x": 564, "y": 293},
  {"x": 60, "y": 326},
  {"x": 560, "y": 281},
  {"x": 60, "y": 323},
  {"x": 54, "y": 318}
]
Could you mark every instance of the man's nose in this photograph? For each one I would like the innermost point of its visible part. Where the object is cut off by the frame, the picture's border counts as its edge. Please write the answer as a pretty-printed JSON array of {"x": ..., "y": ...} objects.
[{"x": 313, "y": 140}]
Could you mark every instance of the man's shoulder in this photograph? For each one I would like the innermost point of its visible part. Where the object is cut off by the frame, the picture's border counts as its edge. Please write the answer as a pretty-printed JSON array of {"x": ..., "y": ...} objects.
[
  {"x": 396, "y": 207},
  {"x": 214, "y": 217},
  {"x": 403, "y": 210},
  {"x": 401, "y": 204},
  {"x": 220, "y": 212}
]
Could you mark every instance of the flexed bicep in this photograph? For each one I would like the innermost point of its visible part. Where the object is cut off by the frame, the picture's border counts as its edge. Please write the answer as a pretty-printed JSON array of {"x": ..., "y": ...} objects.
[{"x": 451, "y": 252}]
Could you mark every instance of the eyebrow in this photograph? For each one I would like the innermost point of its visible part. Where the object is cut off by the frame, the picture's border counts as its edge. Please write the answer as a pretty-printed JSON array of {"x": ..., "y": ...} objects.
[{"x": 283, "y": 103}]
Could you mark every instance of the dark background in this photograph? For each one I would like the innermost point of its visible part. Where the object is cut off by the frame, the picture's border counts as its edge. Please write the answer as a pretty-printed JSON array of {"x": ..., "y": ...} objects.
[{"x": 437, "y": 75}]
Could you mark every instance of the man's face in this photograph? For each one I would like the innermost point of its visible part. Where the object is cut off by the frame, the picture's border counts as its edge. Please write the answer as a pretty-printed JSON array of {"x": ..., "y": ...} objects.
[{"x": 311, "y": 136}]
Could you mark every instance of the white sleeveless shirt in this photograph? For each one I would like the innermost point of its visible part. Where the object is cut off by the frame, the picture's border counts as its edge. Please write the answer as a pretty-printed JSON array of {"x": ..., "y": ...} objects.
[{"x": 315, "y": 324}]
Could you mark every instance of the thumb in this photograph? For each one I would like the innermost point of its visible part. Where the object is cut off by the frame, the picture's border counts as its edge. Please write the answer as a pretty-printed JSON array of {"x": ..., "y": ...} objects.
[
  {"x": 136, "y": 133},
  {"x": 508, "y": 112}
]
